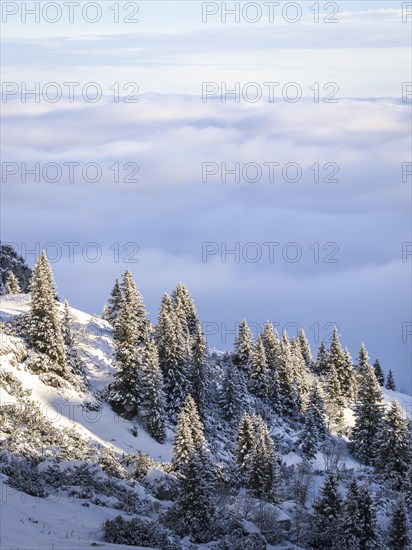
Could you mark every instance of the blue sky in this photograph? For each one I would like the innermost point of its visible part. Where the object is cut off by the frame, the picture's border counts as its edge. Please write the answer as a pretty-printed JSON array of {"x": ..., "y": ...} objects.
[{"x": 170, "y": 133}]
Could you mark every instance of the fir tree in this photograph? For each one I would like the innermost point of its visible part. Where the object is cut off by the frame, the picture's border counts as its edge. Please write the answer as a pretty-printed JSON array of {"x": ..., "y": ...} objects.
[
  {"x": 271, "y": 344},
  {"x": 370, "y": 538},
  {"x": 113, "y": 303},
  {"x": 305, "y": 349},
  {"x": 326, "y": 515},
  {"x": 232, "y": 394},
  {"x": 350, "y": 522},
  {"x": 393, "y": 447},
  {"x": 407, "y": 488},
  {"x": 289, "y": 399},
  {"x": 44, "y": 322},
  {"x": 12, "y": 284},
  {"x": 244, "y": 442},
  {"x": 398, "y": 532},
  {"x": 342, "y": 365},
  {"x": 131, "y": 334},
  {"x": 363, "y": 358},
  {"x": 380, "y": 376},
  {"x": 194, "y": 509},
  {"x": 132, "y": 326},
  {"x": 198, "y": 372},
  {"x": 390, "y": 381},
  {"x": 335, "y": 402},
  {"x": 260, "y": 464},
  {"x": 189, "y": 433},
  {"x": 243, "y": 352},
  {"x": 67, "y": 332},
  {"x": 300, "y": 374},
  {"x": 347, "y": 377},
  {"x": 322, "y": 361},
  {"x": 259, "y": 370},
  {"x": 172, "y": 357},
  {"x": 368, "y": 417},
  {"x": 151, "y": 403},
  {"x": 314, "y": 429},
  {"x": 186, "y": 310}
]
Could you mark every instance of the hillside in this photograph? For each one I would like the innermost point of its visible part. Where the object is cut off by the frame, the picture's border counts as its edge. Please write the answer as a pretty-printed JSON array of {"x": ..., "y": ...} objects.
[{"x": 66, "y": 511}]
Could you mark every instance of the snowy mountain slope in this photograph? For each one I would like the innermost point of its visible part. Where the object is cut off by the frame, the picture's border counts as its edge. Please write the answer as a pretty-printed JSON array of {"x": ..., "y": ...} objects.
[
  {"x": 67, "y": 407},
  {"x": 59, "y": 520},
  {"x": 59, "y": 523}
]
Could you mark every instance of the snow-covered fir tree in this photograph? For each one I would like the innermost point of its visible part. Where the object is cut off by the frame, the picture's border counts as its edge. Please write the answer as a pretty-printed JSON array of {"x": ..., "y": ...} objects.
[
  {"x": 335, "y": 402},
  {"x": 232, "y": 394},
  {"x": 343, "y": 367},
  {"x": 350, "y": 521},
  {"x": 132, "y": 327},
  {"x": 314, "y": 427},
  {"x": 322, "y": 360},
  {"x": 270, "y": 339},
  {"x": 244, "y": 442},
  {"x": 393, "y": 452},
  {"x": 363, "y": 358},
  {"x": 368, "y": 417},
  {"x": 171, "y": 345},
  {"x": 327, "y": 510},
  {"x": 198, "y": 371},
  {"x": 399, "y": 531},
  {"x": 194, "y": 509},
  {"x": 44, "y": 324},
  {"x": 12, "y": 285},
  {"x": 67, "y": 321},
  {"x": 370, "y": 538},
  {"x": 260, "y": 466},
  {"x": 301, "y": 380},
  {"x": 407, "y": 488},
  {"x": 189, "y": 434},
  {"x": 258, "y": 370},
  {"x": 380, "y": 375},
  {"x": 390, "y": 381},
  {"x": 186, "y": 310},
  {"x": 152, "y": 400},
  {"x": 290, "y": 401},
  {"x": 113, "y": 304},
  {"x": 243, "y": 347},
  {"x": 131, "y": 334},
  {"x": 305, "y": 349},
  {"x": 348, "y": 377}
]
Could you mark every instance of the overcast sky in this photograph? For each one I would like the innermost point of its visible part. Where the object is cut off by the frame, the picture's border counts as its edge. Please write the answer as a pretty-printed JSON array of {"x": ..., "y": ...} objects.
[{"x": 308, "y": 253}]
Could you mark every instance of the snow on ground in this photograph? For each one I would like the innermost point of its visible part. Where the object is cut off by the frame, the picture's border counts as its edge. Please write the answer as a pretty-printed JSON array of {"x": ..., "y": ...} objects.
[
  {"x": 55, "y": 522},
  {"x": 65, "y": 524},
  {"x": 66, "y": 407}
]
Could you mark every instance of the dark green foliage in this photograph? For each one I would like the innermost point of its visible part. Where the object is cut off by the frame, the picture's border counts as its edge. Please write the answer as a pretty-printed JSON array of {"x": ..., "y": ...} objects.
[
  {"x": 390, "y": 381},
  {"x": 138, "y": 532},
  {"x": 322, "y": 361},
  {"x": 194, "y": 509},
  {"x": 394, "y": 453},
  {"x": 243, "y": 352},
  {"x": 368, "y": 417},
  {"x": 260, "y": 466},
  {"x": 233, "y": 393},
  {"x": 326, "y": 515},
  {"x": 113, "y": 303},
  {"x": 152, "y": 400},
  {"x": 44, "y": 326},
  {"x": 399, "y": 532},
  {"x": 380, "y": 376},
  {"x": 314, "y": 428},
  {"x": 258, "y": 370},
  {"x": 189, "y": 434}
]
